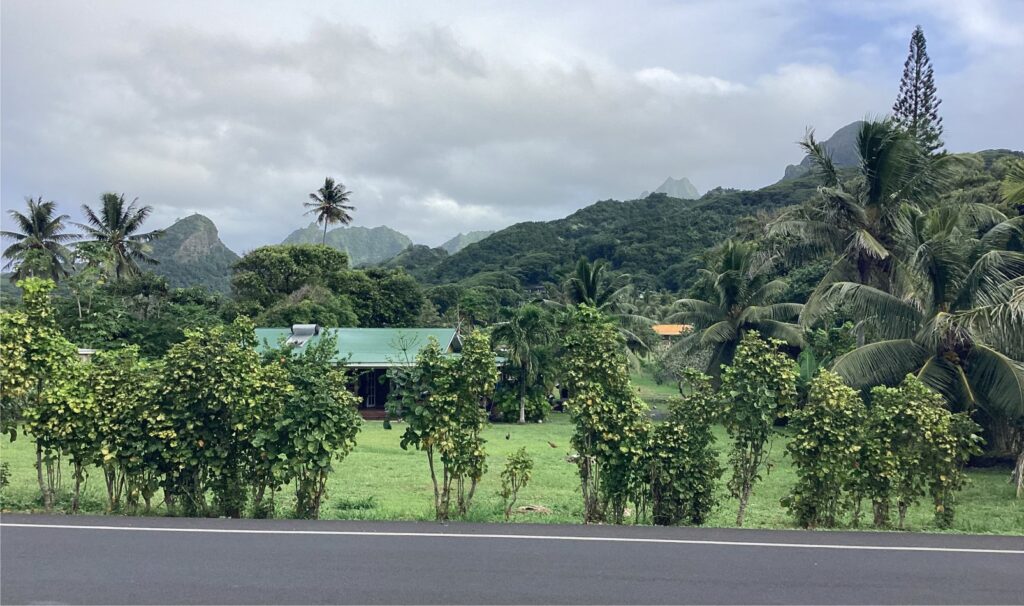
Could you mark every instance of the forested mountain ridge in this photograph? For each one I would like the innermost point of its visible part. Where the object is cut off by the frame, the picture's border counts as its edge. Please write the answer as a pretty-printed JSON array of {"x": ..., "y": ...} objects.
[
  {"x": 190, "y": 253},
  {"x": 364, "y": 245},
  {"x": 657, "y": 240}
]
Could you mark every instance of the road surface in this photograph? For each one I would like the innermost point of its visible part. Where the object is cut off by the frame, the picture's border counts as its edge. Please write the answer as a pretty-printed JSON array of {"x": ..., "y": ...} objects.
[{"x": 120, "y": 560}]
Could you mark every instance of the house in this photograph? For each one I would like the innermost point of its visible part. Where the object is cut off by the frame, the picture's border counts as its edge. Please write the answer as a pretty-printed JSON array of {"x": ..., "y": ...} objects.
[
  {"x": 669, "y": 332},
  {"x": 368, "y": 352}
]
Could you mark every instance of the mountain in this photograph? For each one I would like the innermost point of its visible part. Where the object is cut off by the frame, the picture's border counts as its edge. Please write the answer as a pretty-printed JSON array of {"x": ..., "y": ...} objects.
[
  {"x": 658, "y": 240},
  {"x": 191, "y": 254},
  {"x": 417, "y": 260},
  {"x": 843, "y": 147},
  {"x": 676, "y": 188},
  {"x": 364, "y": 245},
  {"x": 463, "y": 240}
]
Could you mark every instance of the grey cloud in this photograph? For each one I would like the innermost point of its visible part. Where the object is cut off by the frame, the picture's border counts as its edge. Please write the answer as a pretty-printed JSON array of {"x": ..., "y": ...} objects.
[{"x": 435, "y": 130}]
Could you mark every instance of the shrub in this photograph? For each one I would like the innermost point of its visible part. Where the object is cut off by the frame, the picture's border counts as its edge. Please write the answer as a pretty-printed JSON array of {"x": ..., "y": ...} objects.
[
  {"x": 824, "y": 448},
  {"x": 913, "y": 446},
  {"x": 515, "y": 476},
  {"x": 440, "y": 400},
  {"x": 38, "y": 370},
  {"x": 683, "y": 465},
  {"x": 612, "y": 430},
  {"x": 217, "y": 397},
  {"x": 316, "y": 426},
  {"x": 758, "y": 387}
]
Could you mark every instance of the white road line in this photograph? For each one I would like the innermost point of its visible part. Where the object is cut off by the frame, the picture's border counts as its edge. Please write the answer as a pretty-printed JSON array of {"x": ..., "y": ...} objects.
[{"x": 521, "y": 537}]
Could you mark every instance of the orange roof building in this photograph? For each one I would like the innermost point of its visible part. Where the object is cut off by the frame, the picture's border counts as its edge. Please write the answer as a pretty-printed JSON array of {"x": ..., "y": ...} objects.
[{"x": 671, "y": 330}]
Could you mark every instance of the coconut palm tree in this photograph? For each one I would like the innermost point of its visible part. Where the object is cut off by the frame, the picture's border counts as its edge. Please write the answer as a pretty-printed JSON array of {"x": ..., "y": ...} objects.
[
  {"x": 329, "y": 204},
  {"x": 592, "y": 284},
  {"x": 39, "y": 242},
  {"x": 864, "y": 221},
  {"x": 116, "y": 228},
  {"x": 957, "y": 327},
  {"x": 524, "y": 339},
  {"x": 741, "y": 295}
]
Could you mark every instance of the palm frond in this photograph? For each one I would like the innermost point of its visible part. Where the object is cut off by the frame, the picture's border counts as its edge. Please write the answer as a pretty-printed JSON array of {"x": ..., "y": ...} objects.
[
  {"x": 821, "y": 158},
  {"x": 986, "y": 281},
  {"x": 696, "y": 312},
  {"x": 998, "y": 380},
  {"x": 1001, "y": 235},
  {"x": 1013, "y": 183},
  {"x": 718, "y": 333},
  {"x": 896, "y": 318},
  {"x": 880, "y": 363},
  {"x": 863, "y": 243},
  {"x": 776, "y": 311},
  {"x": 792, "y": 334}
]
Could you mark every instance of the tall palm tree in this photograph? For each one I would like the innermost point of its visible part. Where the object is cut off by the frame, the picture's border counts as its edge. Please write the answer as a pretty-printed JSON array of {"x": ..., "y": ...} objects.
[
  {"x": 524, "y": 339},
  {"x": 116, "y": 228},
  {"x": 329, "y": 204},
  {"x": 39, "y": 243},
  {"x": 592, "y": 284},
  {"x": 958, "y": 326},
  {"x": 741, "y": 296},
  {"x": 864, "y": 221}
]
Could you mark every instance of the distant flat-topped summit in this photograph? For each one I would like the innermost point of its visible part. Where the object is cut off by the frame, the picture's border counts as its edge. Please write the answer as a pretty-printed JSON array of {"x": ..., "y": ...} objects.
[{"x": 676, "y": 188}]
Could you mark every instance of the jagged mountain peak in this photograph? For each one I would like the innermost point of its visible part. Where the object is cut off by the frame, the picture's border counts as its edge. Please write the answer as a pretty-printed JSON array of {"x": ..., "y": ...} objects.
[
  {"x": 191, "y": 253},
  {"x": 462, "y": 240},
  {"x": 842, "y": 145}
]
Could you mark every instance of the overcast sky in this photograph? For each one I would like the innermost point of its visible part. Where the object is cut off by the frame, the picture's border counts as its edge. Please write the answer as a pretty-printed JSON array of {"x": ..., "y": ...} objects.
[{"x": 463, "y": 115}]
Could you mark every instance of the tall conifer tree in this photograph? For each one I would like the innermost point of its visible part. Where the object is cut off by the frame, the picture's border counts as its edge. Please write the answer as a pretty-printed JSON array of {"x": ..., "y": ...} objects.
[{"x": 917, "y": 107}]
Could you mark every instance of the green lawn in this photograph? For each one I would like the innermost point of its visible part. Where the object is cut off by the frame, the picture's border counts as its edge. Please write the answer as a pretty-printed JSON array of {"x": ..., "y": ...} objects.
[{"x": 379, "y": 480}]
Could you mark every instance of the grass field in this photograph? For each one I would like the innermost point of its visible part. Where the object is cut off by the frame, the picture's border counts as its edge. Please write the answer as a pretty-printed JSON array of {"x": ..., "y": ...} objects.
[{"x": 381, "y": 481}]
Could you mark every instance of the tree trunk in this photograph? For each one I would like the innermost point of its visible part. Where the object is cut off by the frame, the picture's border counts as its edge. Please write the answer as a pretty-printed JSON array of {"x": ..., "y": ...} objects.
[
  {"x": 1018, "y": 471},
  {"x": 744, "y": 500},
  {"x": 433, "y": 479},
  {"x": 78, "y": 487},
  {"x": 44, "y": 489},
  {"x": 324, "y": 242},
  {"x": 257, "y": 502},
  {"x": 881, "y": 513},
  {"x": 522, "y": 401},
  {"x": 110, "y": 477}
]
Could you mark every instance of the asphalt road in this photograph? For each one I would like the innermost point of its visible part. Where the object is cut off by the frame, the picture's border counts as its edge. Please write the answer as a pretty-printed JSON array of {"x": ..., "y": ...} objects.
[{"x": 116, "y": 560}]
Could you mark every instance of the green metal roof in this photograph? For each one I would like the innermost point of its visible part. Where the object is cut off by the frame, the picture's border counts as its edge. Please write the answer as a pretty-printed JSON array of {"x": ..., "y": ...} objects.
[{"x": 370, "y": 347}]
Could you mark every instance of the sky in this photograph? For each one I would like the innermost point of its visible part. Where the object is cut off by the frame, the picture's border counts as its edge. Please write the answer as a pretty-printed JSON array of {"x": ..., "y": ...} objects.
[{"x": 462, "y": 115}]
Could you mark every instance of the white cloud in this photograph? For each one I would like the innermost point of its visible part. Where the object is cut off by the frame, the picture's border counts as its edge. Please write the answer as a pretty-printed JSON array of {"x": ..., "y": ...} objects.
[
  {"x": 456, "y": 117},
  {"x": 667, "y": 81}
]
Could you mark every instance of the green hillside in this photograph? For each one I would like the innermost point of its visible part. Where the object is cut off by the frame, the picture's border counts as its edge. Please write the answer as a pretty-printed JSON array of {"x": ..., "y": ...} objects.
[
  {"x": 418, "y": 260},
  {"x": 364, "y": 245},
  {"x": 658, "y": 240},
  {"x": 191, "y": 254}
]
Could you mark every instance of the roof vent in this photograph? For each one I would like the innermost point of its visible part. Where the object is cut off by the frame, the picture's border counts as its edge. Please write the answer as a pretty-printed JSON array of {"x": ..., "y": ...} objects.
[{"x": 301, "y": 333}]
